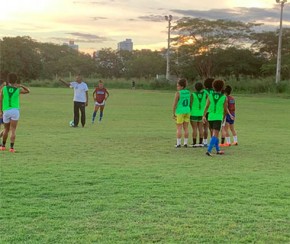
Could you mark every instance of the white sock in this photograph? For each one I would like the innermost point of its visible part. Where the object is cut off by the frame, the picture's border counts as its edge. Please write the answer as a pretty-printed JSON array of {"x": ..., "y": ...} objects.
[
  {"x": 178, "y": 141},
  {"x": 185, "y": 141},
  {"x": 204, "y": 141},
  {"x": 228, "y": 140},
  {"x": 235, "y": 138}
]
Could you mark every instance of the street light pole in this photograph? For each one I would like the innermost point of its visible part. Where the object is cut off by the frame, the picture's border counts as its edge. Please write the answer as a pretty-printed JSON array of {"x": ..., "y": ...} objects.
[
  {"x": 278, "y": 68},
  {"x": 168, "y": 18}
]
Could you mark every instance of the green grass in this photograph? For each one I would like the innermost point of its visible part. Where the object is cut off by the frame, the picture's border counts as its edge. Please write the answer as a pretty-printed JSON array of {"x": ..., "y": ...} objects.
[{"x": 122, "y": 181}]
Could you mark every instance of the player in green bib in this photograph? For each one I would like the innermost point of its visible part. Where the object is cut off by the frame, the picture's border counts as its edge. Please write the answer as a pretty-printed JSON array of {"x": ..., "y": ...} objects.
[
  {"x": 10, "y": 105},
  {"x": 181, "y": 111},
  {"x": 208, "y": 90},
  {"x": 216, "y": 107},
  {"x": 197, "y": 109},
  {"x": 2, "y": 83}
]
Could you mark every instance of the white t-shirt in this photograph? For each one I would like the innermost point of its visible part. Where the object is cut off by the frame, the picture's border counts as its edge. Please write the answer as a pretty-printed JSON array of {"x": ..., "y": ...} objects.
[{"x": 80, "y": 90}]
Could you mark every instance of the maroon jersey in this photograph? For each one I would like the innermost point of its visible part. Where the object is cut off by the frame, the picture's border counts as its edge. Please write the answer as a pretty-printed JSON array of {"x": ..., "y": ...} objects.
[
  {"x": 231, "y": 104},
  {"x": 100, "y": 94}
]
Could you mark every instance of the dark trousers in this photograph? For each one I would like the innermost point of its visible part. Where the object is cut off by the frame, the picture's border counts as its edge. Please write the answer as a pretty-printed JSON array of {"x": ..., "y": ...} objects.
[{"x": 79, "y": 106}]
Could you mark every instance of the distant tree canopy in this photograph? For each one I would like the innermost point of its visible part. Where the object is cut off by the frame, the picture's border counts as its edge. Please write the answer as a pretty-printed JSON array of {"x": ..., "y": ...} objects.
[{"x": 202, "y": 48}]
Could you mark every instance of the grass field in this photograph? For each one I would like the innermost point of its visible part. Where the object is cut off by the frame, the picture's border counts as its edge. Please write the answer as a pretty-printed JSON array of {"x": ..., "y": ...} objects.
[{"x": 122, "y": 180}]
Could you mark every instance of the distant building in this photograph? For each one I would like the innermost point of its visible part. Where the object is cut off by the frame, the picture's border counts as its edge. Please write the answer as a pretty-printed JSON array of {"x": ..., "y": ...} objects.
[
  {"x": 72, "y": 45},
  {"x": 126, "y": 45}
]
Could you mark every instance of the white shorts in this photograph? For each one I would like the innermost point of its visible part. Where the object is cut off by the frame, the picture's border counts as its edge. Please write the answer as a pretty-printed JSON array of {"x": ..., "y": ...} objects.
[
  {"x": 100, "y": 104},
  {"x": 11, "y": 114}
]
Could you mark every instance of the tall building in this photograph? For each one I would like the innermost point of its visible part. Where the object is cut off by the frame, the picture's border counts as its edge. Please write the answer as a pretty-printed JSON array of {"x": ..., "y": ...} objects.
[
  {"x": 72, "y": 45},
  {"x": 126, "y": 45}
]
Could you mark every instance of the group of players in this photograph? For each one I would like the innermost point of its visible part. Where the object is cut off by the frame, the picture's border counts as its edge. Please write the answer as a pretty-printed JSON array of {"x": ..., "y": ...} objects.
[{"x": 209, "y": 108}]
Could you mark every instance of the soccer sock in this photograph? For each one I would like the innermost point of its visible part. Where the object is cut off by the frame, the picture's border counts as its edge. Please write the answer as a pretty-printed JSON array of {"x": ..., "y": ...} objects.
[
  {"x": 94, "y": 116},
  {"x": 204, "y": 141},
  {"x": 185, "y": 141},
  {"x": 228, "y": 140},
  {"x": 178, "y": 141},
  {"x": 223, "y": 140},
  {"x": 193, "y": 141},
  {"x": 211, "y": 143},
  {"x": 200, "y": 140},
  {"x": 217, "y": 145},
  {"x": 3, "y": 143},
  {"x": 12, "y": 145},
  {"x": 101, "y": 115},
  {"x": 235, "y": 138}
]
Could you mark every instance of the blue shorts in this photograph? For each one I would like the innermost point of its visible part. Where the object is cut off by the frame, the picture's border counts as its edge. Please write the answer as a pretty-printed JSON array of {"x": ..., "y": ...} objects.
[{"x": 229, "y": 120}]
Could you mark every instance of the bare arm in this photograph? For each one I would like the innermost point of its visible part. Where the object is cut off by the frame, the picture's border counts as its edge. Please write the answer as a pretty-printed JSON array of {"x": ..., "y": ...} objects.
[
  {"x": 24, "y": 89},
  {"x": 64, "y": 82},
  {"x": 176, "y": 98},
  {"x": 107, "y": 95},
  {"x": 87, "y": 97},
  {"x": 1, "y": 111},
  {"x": 205, "y": 110}
]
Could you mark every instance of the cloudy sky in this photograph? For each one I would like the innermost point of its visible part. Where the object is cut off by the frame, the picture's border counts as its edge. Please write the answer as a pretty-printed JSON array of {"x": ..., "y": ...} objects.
[{"x": 103, "y": 23}]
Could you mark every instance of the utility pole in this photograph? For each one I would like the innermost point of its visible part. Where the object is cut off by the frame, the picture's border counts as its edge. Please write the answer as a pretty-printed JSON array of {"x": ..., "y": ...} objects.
[{"x": 168, "y": 18}]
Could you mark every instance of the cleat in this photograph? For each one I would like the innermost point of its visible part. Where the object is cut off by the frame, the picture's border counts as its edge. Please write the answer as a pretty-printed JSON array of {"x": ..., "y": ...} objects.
[
  {"x": 234, "y": 143},
  {"x": 208, "y": 154},
  {"x": 178, "y": 146},
  {"x": 220, "y": 152},
  {"x": 185, "y": 145},
  {"x": 12, "y": 150},
  {"x": 204, "y": 145},
  {"x": 225, "y": 145},
  {"x": 2, "y": 148}
]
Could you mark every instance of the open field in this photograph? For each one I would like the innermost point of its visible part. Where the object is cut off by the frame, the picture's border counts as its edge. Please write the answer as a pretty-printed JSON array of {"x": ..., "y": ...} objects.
[{"x": 122, "y": 181}]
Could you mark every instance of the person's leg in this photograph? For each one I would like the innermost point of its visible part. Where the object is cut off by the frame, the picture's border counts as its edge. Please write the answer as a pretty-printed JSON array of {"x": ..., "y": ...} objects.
[
  {"x": 95, "y": 113},
  {"x": 178, "y": 134},
  {"x": 205, "y": 132},
  {"x": 13, "y": 126},
  {"x": 200, "y": 132},
  {"x": 185, "y": 128},
  {"x": 234, "y": 133},
  {"x": 101, "y": 112},
  {"x": 194, "y": 132},
  {"x": 76, "y": 113},
  {"x": 83, "y": 113},
  {"x": 5, "y": 135}
]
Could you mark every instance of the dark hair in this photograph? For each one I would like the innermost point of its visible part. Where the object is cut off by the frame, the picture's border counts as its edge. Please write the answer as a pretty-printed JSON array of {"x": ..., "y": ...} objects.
[
  {"x": 208, "y": 83},
  {"x": 12, "y": 78},
  {"x": 182, "y": 82},
  {"x": 1, "y": 81},
  {"x": 198, "y": 86},
  {"x": 218, "y": 85},
  {"x": 228, "y": 89}
]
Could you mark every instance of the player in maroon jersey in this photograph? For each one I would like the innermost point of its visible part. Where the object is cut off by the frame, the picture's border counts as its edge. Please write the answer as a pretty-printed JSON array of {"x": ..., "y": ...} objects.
[{"x": 100, "y": 95}]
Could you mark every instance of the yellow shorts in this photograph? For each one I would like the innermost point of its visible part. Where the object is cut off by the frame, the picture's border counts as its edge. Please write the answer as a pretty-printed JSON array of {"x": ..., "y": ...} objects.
[{"x": 181, "y": 118}]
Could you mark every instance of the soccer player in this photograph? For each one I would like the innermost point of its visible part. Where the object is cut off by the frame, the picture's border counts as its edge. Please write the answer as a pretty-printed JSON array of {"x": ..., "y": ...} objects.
[
  {"x": 181, "y": 111},
  {"x": 80, "y": 99},
  {"x": 198, "y": 106},
  {"x": 10, "y": 104},
  {"x": 230, "y": 119},
  {"x": 209, "y": 90},
  {"x": 100, "y": 96},
  {"x": 2, "y": 83},
  {"x": 217, "y": 108}
]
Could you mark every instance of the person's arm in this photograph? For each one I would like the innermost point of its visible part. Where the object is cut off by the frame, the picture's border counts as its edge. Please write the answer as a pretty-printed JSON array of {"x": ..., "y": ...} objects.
[
  {"x": 191, "y": 101},
  {"x": 107, "y": 95},
  {"x": 64, "y": 82},
  {"x": 94, "y": 98},
  {"x": 87, "y": 98},
  {"x": 176, "y": 98},
  {"x": 1, "y": 111},
  {"x": 205, "y": 110},
  {"x": 24, "y": 89}
]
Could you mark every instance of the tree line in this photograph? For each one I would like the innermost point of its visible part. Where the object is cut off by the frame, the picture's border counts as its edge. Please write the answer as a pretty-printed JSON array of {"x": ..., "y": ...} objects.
[{"x": 201, "y": 48}]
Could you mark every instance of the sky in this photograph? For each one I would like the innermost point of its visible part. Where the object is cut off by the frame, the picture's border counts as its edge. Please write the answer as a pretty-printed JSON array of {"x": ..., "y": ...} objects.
[{"x": 98, "y": 24}]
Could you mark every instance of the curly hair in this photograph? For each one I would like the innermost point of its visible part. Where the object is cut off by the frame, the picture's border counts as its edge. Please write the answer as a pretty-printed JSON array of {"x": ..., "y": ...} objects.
[
  {"x": 228, "y": 90},
  {"x": 12, "y": 78},
  {"x": 208, "y": 83},
  {"x": 218, "y": 85},
  {"x": 182, "y": 82},
  {"x": 198, "y": 86}
]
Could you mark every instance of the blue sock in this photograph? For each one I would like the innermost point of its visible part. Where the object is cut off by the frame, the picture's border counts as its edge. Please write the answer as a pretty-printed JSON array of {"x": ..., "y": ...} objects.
[
  {"x": 211, "y": 143},
  {"x": 101, "y": 115},
  {"x": 94, "y": 116},
  {"x": 217, "y": 147}
]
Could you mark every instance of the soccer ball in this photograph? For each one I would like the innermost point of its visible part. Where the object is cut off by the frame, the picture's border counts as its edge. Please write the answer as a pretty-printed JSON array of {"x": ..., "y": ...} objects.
[{"x": 71, "y": 123}]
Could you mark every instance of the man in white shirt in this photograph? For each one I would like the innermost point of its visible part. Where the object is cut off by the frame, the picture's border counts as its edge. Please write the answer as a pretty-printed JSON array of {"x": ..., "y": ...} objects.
[{"x": 80, "y": 99}]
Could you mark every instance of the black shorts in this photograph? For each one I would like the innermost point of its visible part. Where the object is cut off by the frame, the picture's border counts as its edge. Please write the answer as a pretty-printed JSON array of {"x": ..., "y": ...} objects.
[{"x": 215, "y": 124}]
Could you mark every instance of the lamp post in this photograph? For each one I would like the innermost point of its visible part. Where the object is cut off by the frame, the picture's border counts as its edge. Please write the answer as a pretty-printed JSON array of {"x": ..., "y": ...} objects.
[
  {"x": 278, "y": 68},
  {"x": 168, "y": 18}
]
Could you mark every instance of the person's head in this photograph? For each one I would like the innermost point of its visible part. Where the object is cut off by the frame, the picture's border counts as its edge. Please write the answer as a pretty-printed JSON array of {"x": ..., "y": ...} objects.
[
  {"x": 101, "y": 84},
  {"x": 2, "y": 82},
  {"x": 228, "y": 90},
  {"x": 181, "y": 84},
  {"x": 208, "y": 83},
  {"x": 12, "y": 78},
  {"x": 198, "y": 86},
  {"x": 79, "y": 79},
  {"x": 218, "y": 85}
]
